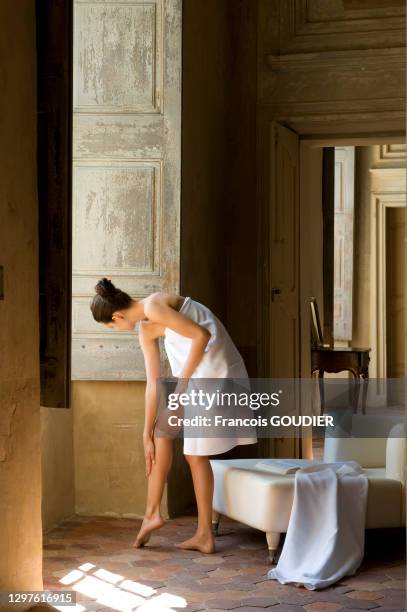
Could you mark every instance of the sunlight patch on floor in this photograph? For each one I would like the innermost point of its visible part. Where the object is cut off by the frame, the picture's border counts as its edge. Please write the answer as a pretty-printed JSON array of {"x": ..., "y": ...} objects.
[{"x": 117, "y": 592}]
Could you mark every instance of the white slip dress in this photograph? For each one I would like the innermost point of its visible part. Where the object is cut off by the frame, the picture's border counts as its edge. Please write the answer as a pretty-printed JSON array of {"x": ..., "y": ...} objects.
[{"x": 221, "y": 359}]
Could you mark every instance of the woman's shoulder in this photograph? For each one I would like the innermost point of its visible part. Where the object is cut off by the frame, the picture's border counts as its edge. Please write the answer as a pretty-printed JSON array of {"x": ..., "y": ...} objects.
[
  {"x": 162, "y": 297},
  {"x": 150, "y": 330}
]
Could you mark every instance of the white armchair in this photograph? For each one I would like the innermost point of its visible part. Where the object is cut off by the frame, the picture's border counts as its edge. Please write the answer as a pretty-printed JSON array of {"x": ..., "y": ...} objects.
[
  {"x": 256, "y": 497},
  {"x": 384, "y": 461}
]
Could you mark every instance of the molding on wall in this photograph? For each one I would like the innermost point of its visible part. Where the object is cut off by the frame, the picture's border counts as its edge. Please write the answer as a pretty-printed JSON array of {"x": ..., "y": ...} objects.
[
  {"x": 320, "y": 63},
  {"x": 388, "y": 180},
  {"x": 393, "y": 152},
  {"x": 389, "y": 155},
  {"x": 302, "y": 25},
  {"x": 332, "y": 58}
]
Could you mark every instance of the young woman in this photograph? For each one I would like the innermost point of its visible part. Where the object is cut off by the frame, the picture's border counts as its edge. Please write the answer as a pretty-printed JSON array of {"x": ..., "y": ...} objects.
[{"x": 198, "y": 346}]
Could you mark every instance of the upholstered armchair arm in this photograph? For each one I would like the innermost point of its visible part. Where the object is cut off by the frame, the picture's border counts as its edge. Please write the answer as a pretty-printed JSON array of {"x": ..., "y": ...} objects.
[
  {"x": 396, "y": 454},
  {"x": 368, "y": 452}
]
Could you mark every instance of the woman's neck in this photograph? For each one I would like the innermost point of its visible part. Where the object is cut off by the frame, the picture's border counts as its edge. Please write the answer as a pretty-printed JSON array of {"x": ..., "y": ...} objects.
[{"x": 136, "y": 311}]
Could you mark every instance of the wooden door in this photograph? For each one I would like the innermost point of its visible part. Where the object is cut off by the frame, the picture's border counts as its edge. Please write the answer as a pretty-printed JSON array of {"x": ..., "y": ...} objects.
[
  {"x": 284, "y": 249},
  {"x": 126, "y": 168},
  {"x": 284, "y": 264}
]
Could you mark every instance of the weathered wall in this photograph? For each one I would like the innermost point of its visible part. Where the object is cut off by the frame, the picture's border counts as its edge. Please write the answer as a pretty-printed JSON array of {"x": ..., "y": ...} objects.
[
  {"x": 58, "y": 488},
  {"x": 218, "y": 208},
  {"x": 240, "y": 239},
  {"x": 20, "y": 468},
  {"x": 205, "y": 80},
  {"x": 108, "y": 420},
  {"x": 109, "y": 458},
  {"x": 218, "y": 214}
]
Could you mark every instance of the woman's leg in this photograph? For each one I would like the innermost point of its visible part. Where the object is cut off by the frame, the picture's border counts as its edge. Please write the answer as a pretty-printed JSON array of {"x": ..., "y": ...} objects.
[
  {"x": 155, "y": 487},
  {"x": 202, "y": 477}
]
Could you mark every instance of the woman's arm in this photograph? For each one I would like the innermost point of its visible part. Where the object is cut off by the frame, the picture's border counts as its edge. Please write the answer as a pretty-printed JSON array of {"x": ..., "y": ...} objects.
[
  {"x": 159, "y": 312},
  {"x": 149, "y": 346}
]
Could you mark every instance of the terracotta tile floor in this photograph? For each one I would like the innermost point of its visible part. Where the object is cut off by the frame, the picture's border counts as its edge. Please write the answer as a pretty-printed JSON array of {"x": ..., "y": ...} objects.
[{"x": 161, "y": 577}]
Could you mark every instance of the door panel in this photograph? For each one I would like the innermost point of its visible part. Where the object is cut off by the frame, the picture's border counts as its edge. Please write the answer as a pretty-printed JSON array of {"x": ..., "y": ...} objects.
[
  {"x": 126, "y": 169},
  {"x": 343, "y": 241},
  {"x": 284, "y": 266},
  {"x": 284, "y": 262}
]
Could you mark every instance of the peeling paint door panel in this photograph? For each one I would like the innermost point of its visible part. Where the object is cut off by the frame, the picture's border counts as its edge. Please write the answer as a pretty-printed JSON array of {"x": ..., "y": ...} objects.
[
  {"x": 126, "y": 169},
  {"x": 343, "y": 241}
]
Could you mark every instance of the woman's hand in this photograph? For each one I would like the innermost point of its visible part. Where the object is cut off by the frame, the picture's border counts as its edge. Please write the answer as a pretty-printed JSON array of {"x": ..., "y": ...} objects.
[{"x": 149, "y": 453}]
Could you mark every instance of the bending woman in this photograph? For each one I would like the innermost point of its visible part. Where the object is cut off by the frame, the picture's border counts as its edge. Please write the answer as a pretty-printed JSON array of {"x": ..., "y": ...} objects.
[{"x": 197, "y": 346}]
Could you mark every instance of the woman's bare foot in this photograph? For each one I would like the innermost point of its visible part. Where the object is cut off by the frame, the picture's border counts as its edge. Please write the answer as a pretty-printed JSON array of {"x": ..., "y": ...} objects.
[
  {"x": 147, "y": 527},
  {"x": 203, "y": 543}
]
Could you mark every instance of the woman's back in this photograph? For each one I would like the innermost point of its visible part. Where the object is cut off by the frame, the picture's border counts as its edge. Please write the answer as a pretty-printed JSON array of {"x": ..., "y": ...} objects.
[{"x": 221, "y": 358}]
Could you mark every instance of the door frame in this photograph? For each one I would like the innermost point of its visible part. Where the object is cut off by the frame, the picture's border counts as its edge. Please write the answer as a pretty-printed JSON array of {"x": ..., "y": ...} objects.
[
  {"x": 306, "y": 145},
  {"x": 388, "y": 191}
]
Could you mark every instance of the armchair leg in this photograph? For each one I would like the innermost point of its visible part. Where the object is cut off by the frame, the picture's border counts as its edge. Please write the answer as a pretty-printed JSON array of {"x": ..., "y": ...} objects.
[
  {"x": 273, "y": 539},
  {"x": 215, "y": 522}
]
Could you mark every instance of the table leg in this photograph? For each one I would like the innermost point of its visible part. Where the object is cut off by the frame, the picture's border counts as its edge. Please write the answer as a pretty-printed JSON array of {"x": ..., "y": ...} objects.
[
  {"x": 321, "y": 390},
  {"x": 355, "y": 399},
  {"x": 365, "y": 379}
]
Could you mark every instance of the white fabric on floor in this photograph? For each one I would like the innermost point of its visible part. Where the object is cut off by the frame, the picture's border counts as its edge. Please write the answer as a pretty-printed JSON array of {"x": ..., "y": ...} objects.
[{"x": 326, "y": 532}]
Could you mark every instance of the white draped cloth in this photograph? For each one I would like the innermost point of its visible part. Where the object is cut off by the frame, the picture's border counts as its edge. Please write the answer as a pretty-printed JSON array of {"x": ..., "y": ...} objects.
[{"x": 326, "y": 531}]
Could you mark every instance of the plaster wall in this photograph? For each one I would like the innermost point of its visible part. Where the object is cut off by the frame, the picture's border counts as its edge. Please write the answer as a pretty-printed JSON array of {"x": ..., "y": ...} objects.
[
  {"x": 20, "y": 466},
  {"x": 58, "y": 487},
  {"x": 108, "y": 448}
]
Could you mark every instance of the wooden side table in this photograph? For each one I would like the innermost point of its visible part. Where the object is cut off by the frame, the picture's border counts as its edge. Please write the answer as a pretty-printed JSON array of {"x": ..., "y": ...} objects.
[{"x": 340, "y": 359}]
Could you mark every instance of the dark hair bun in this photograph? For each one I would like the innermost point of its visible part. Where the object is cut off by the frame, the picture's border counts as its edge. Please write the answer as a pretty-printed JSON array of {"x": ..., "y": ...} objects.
[
  {"x": 106, "y": 289},
  {"x": 108, "y": 300}
]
